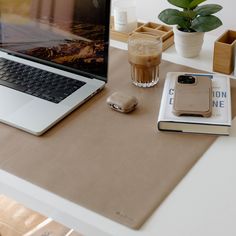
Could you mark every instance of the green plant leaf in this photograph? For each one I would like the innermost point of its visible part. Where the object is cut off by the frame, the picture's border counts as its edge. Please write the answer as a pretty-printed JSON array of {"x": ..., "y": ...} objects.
[
  {"x": 207, "y": 9},
  {"x": 174, "y": 17},
  {"x": 189, "y": 14},
  {"x": 181, "y": 3},
  {"x": 195, "y": 3},
  {"x": 206, "y": 23}
]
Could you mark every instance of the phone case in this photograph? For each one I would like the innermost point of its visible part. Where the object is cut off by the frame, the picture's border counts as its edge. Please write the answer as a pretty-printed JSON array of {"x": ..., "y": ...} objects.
[{"x": 193, "y": 99}]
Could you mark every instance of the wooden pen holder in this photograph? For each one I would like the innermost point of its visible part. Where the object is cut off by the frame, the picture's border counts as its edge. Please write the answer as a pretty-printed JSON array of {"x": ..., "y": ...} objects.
[{"x": 223, "y": 60}]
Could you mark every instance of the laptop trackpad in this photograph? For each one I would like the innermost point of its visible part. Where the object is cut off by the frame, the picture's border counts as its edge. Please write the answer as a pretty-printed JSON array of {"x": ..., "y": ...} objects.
[{"x": 11, "y": 100}]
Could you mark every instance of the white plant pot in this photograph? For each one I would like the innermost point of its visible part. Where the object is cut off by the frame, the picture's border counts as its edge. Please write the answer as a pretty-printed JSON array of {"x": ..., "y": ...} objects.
[{"x": 188, "y": 44}]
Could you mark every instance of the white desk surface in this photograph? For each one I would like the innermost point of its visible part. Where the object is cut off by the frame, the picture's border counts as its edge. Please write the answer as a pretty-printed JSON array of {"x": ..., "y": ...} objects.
[{"x": 204, "y": 202}]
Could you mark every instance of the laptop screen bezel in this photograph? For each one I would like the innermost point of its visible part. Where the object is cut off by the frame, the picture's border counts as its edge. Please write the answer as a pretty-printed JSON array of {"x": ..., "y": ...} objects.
[{"x": 70, "y": 69}]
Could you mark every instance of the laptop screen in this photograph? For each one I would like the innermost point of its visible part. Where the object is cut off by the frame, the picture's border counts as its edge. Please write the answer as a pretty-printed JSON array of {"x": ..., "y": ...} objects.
[{"x": 69, "y": 34}]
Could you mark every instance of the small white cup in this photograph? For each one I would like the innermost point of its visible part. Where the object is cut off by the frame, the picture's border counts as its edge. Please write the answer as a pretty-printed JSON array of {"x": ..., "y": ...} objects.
[{"x": 125, "y": 16}]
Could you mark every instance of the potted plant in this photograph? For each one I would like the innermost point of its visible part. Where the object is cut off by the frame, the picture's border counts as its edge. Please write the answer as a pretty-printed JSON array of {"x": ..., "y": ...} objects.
[{"x": 191, "y": 24}]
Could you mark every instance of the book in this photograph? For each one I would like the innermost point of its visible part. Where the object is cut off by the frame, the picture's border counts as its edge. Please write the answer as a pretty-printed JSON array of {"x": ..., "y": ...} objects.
[{"x": 220, "y": 121}]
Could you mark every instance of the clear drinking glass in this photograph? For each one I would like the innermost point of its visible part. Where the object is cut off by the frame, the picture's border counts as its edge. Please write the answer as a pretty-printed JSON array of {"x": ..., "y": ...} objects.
[{"x": 144, "y": 55}]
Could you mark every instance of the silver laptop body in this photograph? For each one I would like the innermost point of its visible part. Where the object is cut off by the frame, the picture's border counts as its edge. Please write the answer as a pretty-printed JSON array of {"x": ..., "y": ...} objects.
[{"x": 61, "y": 37}]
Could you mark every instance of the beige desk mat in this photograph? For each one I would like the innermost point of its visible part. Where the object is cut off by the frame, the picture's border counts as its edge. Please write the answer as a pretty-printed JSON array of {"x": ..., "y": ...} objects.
[{"x": 115, "y": 164}]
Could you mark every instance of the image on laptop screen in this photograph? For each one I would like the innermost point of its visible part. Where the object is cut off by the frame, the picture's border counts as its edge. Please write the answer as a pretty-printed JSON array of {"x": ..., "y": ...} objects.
[{"x": 70, "y": 34}]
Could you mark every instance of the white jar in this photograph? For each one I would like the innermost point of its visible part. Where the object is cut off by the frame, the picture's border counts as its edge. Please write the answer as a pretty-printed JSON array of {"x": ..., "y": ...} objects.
[{"x": 125, "y": 16}]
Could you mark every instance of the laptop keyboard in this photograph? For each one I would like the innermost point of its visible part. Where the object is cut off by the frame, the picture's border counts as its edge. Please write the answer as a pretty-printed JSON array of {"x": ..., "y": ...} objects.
[{"x": 39, "y": 83}]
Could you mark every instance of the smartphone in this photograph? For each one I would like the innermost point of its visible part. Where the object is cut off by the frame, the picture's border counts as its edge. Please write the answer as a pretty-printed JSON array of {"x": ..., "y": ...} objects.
[{"x": 193, "y": 95}]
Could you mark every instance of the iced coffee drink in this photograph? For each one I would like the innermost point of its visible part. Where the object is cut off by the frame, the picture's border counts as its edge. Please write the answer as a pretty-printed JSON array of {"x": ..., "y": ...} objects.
[{"x": 144, "y": 53}]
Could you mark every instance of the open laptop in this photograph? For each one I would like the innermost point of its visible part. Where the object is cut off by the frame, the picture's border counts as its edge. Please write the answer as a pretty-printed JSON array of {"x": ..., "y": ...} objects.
[{"x": 53, "y": 57}]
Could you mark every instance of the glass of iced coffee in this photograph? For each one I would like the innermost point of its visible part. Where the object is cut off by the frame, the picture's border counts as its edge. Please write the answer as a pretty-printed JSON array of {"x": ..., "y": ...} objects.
[{"x": 144, "y": 54}]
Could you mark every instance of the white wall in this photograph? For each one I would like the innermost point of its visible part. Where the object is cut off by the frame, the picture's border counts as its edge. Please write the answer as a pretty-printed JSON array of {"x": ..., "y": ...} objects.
[{"x": 148, "y": 10}]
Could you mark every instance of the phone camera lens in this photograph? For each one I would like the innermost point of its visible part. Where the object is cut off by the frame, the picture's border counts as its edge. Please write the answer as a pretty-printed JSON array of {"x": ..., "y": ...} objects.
[{"x": 186, "y": 79}]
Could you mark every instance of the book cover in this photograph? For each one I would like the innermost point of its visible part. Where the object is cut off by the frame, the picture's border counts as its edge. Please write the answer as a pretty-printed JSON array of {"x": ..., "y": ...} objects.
[{"x": 218, "y": 123}]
